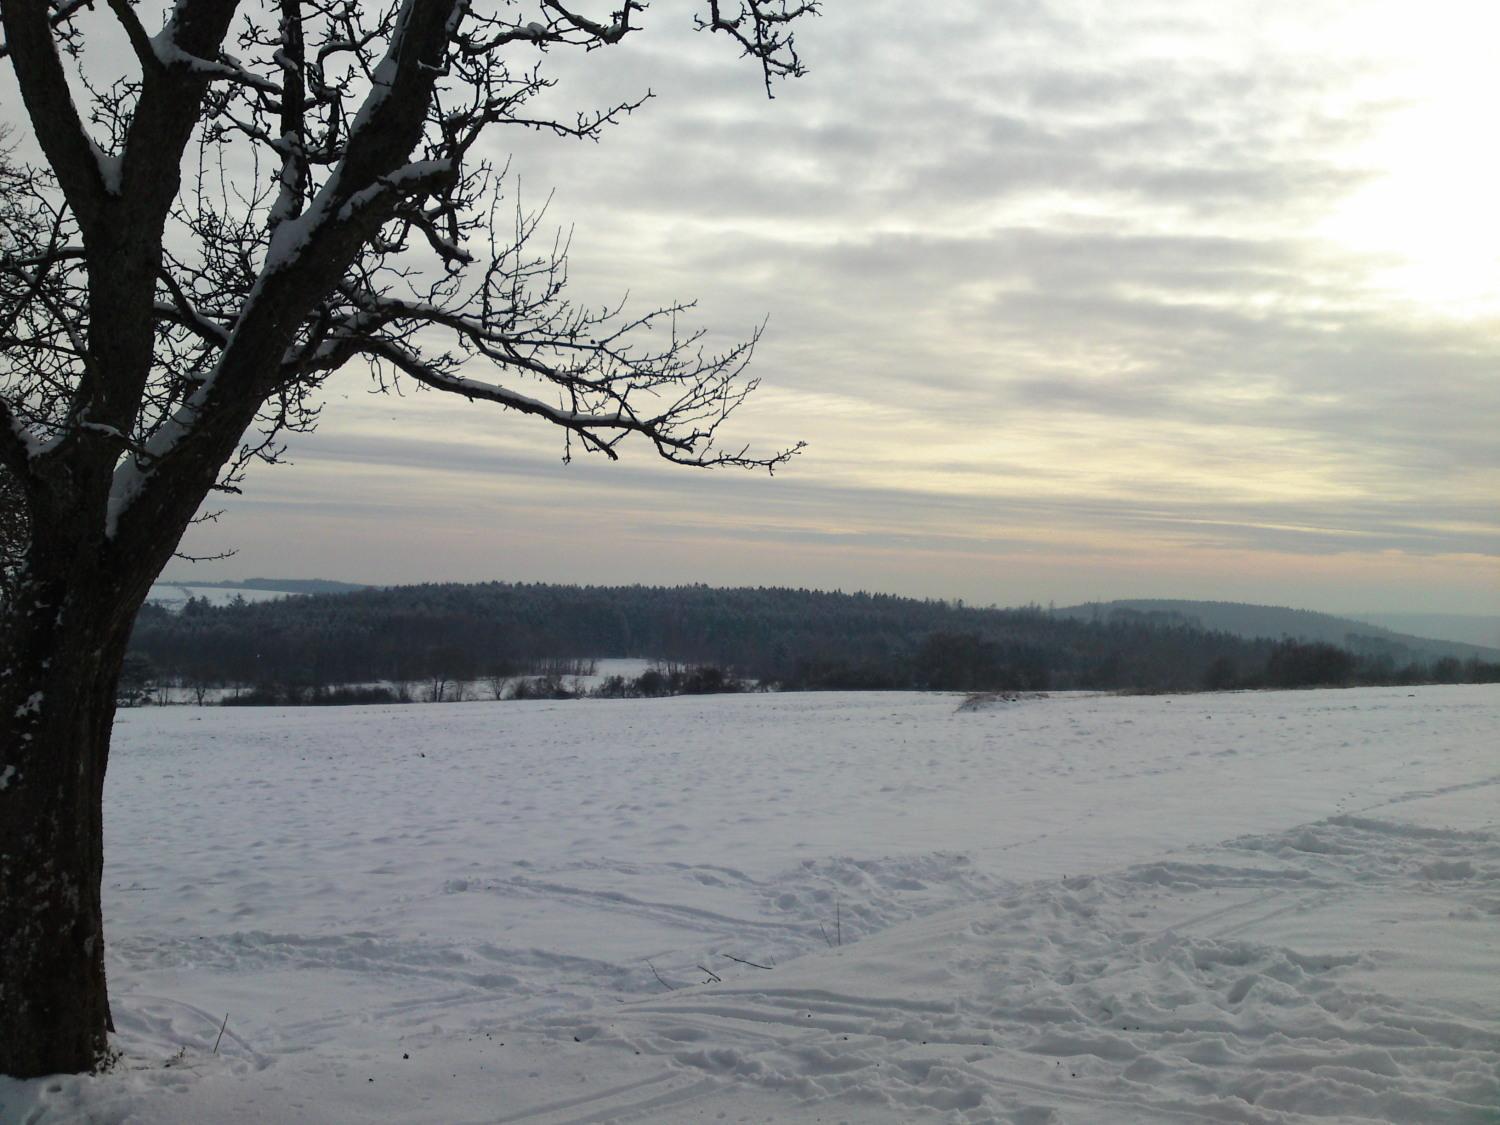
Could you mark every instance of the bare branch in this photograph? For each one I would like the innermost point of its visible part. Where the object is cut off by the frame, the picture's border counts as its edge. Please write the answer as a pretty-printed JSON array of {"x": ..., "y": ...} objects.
[
  {"x": 182, "y": 313},
  {"x": 365, "y": 120},
  {"x": 61, "y": 15},
  {"x": 762, "y": 28},
  {"x": 140, "y": 42},
  {"x": 601, "y": 33},
  {"x": 582, "y": 424},
  {"x": 49, "y": 102},
  {"x": 225, "y": 68},
  {"x": 295, "y": 171}
]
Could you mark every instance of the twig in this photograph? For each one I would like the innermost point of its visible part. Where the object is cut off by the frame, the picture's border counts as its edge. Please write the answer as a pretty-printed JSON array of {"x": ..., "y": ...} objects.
[
  {"x": 711, "y": 973},
  {"x": 657, "y": 975},
  {"x": 222, "y": 1026},
  {"x": 838, "y": 919},
  {"x": 742, "y": 961},
  {"x": 824, "y": 932}
]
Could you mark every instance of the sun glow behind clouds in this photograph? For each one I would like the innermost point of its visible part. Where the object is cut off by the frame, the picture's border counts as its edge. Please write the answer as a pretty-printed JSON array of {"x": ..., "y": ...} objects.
[
  {"x": 1096, "y": 299},
  {"x": 1433, "y": 209}
]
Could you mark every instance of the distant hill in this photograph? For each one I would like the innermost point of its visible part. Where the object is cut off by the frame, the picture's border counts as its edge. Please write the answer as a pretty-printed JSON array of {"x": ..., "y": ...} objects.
[
  {"x": 793, "y": 638},
  {"x": 174, "y": 595},
  {"x": 275, "y": 585},
  {"x": 1277, "y": 622},
  {"x": 1471, "y": 629}
]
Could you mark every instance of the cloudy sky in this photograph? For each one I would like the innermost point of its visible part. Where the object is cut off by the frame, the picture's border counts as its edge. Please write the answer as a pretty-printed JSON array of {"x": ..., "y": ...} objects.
[{"x": 1070, "y": 300}]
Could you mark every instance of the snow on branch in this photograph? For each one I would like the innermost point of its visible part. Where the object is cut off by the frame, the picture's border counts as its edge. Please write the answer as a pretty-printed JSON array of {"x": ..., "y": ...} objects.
[
  {"x": 333, "y": 211},
  {"x": 763, "y": 30},
  {"x": 602, "y": 34},
  {"x": 17, "y": 446},
  {"x": 224, "y": 68}
]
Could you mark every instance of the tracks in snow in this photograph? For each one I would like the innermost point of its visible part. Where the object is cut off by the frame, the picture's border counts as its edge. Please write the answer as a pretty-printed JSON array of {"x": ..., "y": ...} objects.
[{"x": 1141, "y": 994}]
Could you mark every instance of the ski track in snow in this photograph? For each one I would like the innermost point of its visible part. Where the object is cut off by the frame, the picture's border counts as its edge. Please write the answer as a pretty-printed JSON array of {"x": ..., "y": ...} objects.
[
  {"x": 1138, "y": 995},
  {"x": 1258, "y": 908}
]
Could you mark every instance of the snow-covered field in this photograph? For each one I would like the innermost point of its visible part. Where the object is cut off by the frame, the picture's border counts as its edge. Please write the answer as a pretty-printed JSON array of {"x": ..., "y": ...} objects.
[{"x": 1218, "y": 908}]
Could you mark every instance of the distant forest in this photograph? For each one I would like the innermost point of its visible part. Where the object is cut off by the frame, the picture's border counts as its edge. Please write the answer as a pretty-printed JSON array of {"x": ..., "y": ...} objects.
[
  {"x": 788, "y": 639},
  {"x": 1252, "y": 621}
]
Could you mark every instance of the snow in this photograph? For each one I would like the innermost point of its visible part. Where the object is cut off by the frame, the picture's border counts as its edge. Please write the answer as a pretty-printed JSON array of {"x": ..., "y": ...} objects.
[
  {"x": 34, "y": 445},
  {"x": 132, "y": 473},
  {"x": 1256, "y": 907},
  {"x": 174, "y": 595},
  {"x": 409, "y": 176},
  {"x": 226, "y": 67},
  {"x": 111, "y": 168}
]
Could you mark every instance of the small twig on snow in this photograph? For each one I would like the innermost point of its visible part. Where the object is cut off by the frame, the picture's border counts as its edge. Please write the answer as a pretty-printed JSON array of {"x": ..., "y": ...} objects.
[
  {"x": 657, "y": 975},
  {"x": 742, "y": 961},
  {"x": 717, "y": 978},
  {"x": 222, "y": 1026}
]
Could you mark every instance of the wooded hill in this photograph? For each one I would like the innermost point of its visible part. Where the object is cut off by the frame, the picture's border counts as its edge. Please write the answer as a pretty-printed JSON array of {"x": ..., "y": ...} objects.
[
  {"x": 1279, "y": 622},
  {"x": 787, "y": 638}
]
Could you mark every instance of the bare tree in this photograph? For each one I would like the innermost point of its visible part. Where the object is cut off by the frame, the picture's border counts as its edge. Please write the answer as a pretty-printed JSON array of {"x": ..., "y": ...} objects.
[{"x": 162, "y": 331}]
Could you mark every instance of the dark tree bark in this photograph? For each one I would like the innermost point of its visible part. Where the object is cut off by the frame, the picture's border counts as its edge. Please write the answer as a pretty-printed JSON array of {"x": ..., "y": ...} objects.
[
  {"x": 15, "y": 530},
  {"x": 52, "y": 986},
  {"x": 156, "y": 339}
]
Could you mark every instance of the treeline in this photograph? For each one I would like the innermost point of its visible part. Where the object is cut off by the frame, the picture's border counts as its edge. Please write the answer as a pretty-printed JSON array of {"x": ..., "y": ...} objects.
[
  {"x": 1244, "y": 620},
  {"x": 549, "y": 680},
  {"x": 784, "y": 638}
]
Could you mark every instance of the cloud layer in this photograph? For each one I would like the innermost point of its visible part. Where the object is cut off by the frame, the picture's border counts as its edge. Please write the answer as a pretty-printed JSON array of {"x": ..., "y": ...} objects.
[{"x": 1069, "y": 299}]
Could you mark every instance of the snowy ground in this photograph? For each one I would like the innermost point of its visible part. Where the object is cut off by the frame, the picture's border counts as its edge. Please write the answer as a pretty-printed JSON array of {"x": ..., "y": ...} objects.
[{"x": 1245, "y": 908}]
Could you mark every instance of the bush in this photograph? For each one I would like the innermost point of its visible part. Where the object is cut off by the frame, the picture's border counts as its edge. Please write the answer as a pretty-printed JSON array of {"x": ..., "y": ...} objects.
[
  {"x": 615, "y": 687},
  {"x": 549, "y": 686},
  {"x": 283, "y": 695},
  {"x": 343, "y": 696},
  {"x": 1481, "y": 672},
  {"x": 1221, "y": 675},
  {"x": 655, "y": 683},
  {"x": 1293, "y": 665},
  {"x": 706, "y": 679},
  {"x": 265, "y": 695}
]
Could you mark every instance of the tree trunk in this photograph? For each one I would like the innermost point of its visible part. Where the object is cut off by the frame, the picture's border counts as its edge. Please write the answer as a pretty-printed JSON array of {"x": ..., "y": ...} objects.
[{"x": 62, "y": 649}]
